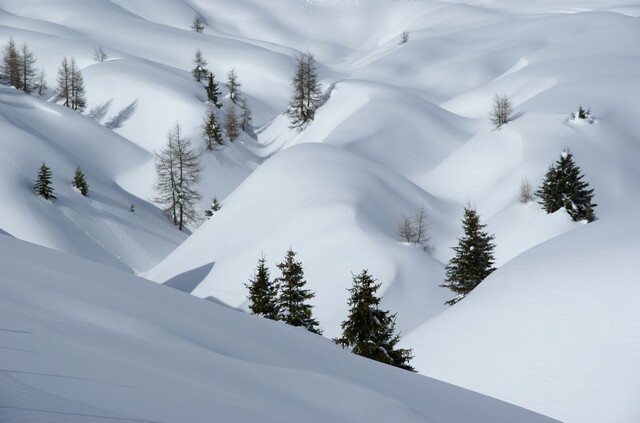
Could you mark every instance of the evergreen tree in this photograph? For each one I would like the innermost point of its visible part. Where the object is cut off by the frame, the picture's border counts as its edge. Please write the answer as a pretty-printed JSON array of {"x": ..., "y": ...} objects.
[
  {"x": 178, "y": 171},
  {"x": 263, "y": 293},
  {"x": 473, "y": 260},
  {"x": 28, "y": 70},
  {"x": 197, "y": 24},
  {"x": 11, "y": 65},
  {"x": 563, "y": 187},
  {"x": 307, "y": 95},
  {"x": 212, "y": 131},
  {"x": 233, "y": 85},
  {"x": 369, "y": 331},
  {"x": 215, "y": 206},
  {"x": 247, "y": 116},
  {"x": 293, "y": 309},
  {"x": 213, "y": 91},
  {"x": 199, "y": 71},
  {"x": 80, "y": 182},
  {"x": 232, "y": 123},
  {"x": 42, "y": 185}
]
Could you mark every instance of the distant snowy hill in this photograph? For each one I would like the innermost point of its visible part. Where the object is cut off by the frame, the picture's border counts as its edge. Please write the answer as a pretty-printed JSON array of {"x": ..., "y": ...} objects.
[{"x": 404, "y": 126}]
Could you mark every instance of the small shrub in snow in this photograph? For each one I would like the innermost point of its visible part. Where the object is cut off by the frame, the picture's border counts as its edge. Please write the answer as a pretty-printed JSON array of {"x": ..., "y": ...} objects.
[
  {"x": 563, "y": 187},
  {"x": 197, "y": 25},
  {"x": 582, "y": 113},
  {"x": 404, "y": 37},
  {"x": 473, "y": 260},
  {"x": 99, "y": 55},
  {"x": 42, "y": 185},
  {"x": 526, "y": 193},
  {"x": 80, "y": 182},
  {"x": 414, "y": 230},
  {"x": 502, "y": 111},
  {"x": 132, "y": 208},
  {"x": 215, "y": 206},
  {"x": 369, "y": 331}
]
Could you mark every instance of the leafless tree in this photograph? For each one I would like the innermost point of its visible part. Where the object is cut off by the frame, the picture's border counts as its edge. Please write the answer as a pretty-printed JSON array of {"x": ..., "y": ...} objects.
[
  {"x": 307, "y": 95},
  {"x": 199, "y": 71},
  {"x": 502, "y": 111},
  {"x": 525, "y": 194},
  {"x": 197, "y": 24},
  {"x": 414, "y": 230},
  {"x": 99, "y": 54}
]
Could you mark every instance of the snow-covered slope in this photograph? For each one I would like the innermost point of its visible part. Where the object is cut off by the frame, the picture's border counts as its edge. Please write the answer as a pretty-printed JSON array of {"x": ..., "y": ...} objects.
[{"x": 81, "y": 342}]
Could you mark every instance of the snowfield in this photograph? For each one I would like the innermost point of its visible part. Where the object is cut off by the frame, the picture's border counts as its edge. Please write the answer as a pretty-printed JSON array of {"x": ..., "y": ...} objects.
[{"x": 404, "y": 126}]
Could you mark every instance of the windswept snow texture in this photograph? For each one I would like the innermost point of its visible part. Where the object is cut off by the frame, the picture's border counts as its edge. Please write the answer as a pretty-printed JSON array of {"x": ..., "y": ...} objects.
[
  {"x": 84, "y": 343},
  {"x": 404, "y": 126}
]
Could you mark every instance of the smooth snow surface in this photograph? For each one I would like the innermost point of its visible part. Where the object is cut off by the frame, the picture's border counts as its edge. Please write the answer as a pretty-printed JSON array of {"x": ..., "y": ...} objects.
[{"x": 403, "y": 127}]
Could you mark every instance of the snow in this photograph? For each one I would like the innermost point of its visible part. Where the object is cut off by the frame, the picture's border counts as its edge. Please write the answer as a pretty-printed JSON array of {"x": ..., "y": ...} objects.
[{"x": 404, "y": 126}]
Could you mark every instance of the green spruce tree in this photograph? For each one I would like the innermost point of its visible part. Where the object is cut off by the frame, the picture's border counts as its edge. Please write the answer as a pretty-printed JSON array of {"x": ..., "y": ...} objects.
[
  {"x": 369, "y": 331},
  {"x": 213, "y": 91},
  {"x": 263, "y": 293},
  {"x": 563, "y": 187},
  {"x": 215, "y": 206},
  {"x": 42, "y": 185},
  {"x": 211, "y": 130},
  {"x": 293, "y": 309},
  {"x": 473, "y": 260},
  {"x": 80, "y": 182}
]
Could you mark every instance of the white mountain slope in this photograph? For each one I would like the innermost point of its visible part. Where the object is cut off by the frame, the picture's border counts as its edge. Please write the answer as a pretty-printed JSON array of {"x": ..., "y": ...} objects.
[
  {"x": 80, "y": 342},
  {"x": 404, "y": 125}
]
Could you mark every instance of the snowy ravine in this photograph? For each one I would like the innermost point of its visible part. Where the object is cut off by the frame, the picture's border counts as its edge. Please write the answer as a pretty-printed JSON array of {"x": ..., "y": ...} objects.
[{"x": 404, "y": 127}]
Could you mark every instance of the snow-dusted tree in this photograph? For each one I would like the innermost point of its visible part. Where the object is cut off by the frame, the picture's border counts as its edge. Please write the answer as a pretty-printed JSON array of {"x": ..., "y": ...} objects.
[
  {"x": 41, "y": 83},
  {"x": 404, "y": 37},
  {"x": 42, "y": 185},
  {"x": 414, "y": 230},
  {"x": 232, "y": 123},
  {"x": 563, "y": 187},
  {"x": 213, "y": 91},
  {"x": 215, "y": 206},
  {"x": 263, "y": 293},
  {"x": 80, "y": 182},
  {"x": 178, "y": 171},
  {"x": 473, "y": 260},
  {"x": 234, "y": 86},
  {"x": 199, "y": 71},
  {"x": 307, "y": 95},
  {"x": 369, "y": 331},
  {"x": 28, "y": 70},
  {"x": 70, "y": 88},
  {"x": 293, "y": 309},
  {"x": 525, "y": 195},
  {"x": 502, "y": 111},
  {"x": 197, "y": 24},
  {"x": 99, "y": 55},
  {"x": 246, "y": 116},
  {"x": 11, "y": 64},
  {"x": 212, "y": 132}
]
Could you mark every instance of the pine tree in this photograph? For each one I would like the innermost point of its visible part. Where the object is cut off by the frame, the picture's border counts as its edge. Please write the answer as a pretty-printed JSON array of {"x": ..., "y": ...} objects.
[
  {"x": 199, "y": 71},
  {"x": 178, "y": 171},
  {"x": 292, "y": 304},
  {"x": 28, "y": 70},
  {"x": 563, "y": 187},
  {"x": 473, "y": 260},
  {"x": 213, "y": 91},
  {"x": 232, "y": 123},
  {"x": 233, "y": 85},
  {"x": 80, "y": 182},
  {"x": 212, "y": 132},
  {"x": 307, "y": 95},
  {"x": 263, "y": 293},
  {"x": 215, "y": 206},
  {"x": 11, "y": 64},
  {"x": 197, "y": 24},
  {"x": 42, "y": 185},
  {"x": 247, "y": 116},
  {"x": 369, "y": 331}
]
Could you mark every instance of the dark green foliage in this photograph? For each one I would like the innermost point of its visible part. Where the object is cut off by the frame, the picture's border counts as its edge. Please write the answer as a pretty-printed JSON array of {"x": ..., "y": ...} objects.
[
  {"x": 473, "y": 260},
  {"x": 42, "y": 185},
  {"x": 215, "y": 206},
  {"x": 293, "y": 309},
  {"x": 307, "y": 95},
  {"x": 213, "y": 91},
  {"x": 132, "y": 208},
  {"x": 212, "y": 132},
  {"x": 369, "y": 331},
  {"x": 80, "y": 182},
  {"x": 563, "y": 187},
  {"x": 263, "y": 293}
]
